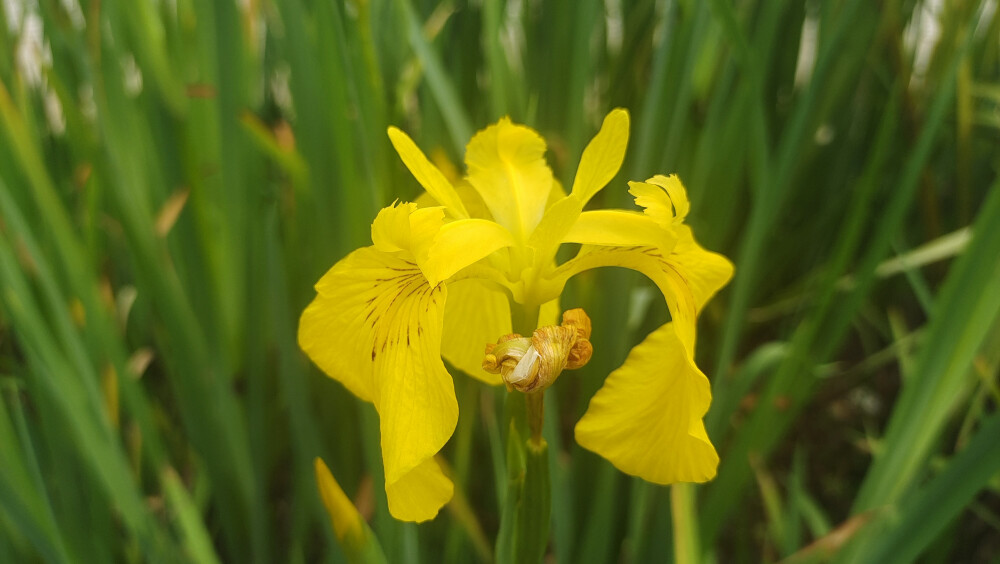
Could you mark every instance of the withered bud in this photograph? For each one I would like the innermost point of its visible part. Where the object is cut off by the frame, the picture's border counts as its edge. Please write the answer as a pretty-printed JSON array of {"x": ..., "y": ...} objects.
[
  {"x": 531, "y": 365},
  {"x": 577, "y": 318},
  {"x": 504, "y": 355},
  {"x": 580, "y": 354}
]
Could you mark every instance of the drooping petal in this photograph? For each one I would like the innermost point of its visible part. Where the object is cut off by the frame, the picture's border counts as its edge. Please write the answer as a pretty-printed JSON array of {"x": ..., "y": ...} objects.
[
  {"x": 655, "y": 243},
  {"x": 647, "y": 418},
  {"x": 506, "y": 165},
  {"x": 426, "y": 173},
  {"x": 603, "y": 156},
  {"x": 375, "y": 326},
  {"x": 476, "y": 314},
  {"x": 704, "y": 271},
  {"x": 418, "y": 494},
  {"x": 687, "y": 280}
]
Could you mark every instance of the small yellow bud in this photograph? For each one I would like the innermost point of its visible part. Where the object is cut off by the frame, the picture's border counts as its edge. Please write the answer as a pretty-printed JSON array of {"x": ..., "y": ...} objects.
[
  {"x": 347, "y": 523},
  {"x": 531, "y": 365}
]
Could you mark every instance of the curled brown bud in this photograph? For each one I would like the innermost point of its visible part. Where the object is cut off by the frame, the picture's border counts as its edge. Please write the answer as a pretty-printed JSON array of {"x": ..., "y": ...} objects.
[
  {"x": 503, "y": 356},
  {"x": 531, "y": 365},
  {"x": 580, "y": 354},
  {"x": 553, "y": 345},
  {"x": 577, "y": 318}
]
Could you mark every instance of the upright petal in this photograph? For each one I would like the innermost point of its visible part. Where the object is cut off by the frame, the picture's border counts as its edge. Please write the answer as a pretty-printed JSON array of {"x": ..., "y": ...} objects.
[
  {"x": 428, "y": 175},
  {"x": 375, "y": 326},
  {"x": 603, "y": 156},
  {"x": 507, "y": 167},
  {"x": 647, "y": 418},
  {"x": 599, "y": 163}
]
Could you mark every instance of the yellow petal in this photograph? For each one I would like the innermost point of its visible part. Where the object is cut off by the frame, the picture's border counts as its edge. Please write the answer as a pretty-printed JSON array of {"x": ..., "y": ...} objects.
[
  {"x": 426, "y": 173},
  {"x": 347, "y": 523},
  {"x": 375, "y": 326},
  {"x": 404, "y": 227},
  {"x": 675, "y": 189},
  {"x": 425, "y": 200},
  {"x": 704, "y": 271},
  {"x": 647, "y": 418},
  {"x": 603, "y": 156},
  {"x": 440, "y": 159},
  {"x": 687, "y": 279},
  {"x": 418, "y": 495},
  {"x": 506, "y": 165},
  {"x": 476, "y": 314},
  {"x": 600, "y": 162},
  {"x": 460, "y": 243},
  {"x": 470, "y": 199},
  {"x": 391, "y": 228},
  {"x": 440, "y": 249},
  {"x": 549, "y": 313},
  {"x": 663, "y": 198},
  {"x": 551, "y": 230},
  {"x": 619, "y": 228}
]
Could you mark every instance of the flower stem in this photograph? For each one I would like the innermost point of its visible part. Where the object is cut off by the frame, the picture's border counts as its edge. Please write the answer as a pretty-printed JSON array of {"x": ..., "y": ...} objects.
[
  {"x": 685, "y": 524},
  {"x": 535, "y": 406},
  {"x": 524, "y": 524}
]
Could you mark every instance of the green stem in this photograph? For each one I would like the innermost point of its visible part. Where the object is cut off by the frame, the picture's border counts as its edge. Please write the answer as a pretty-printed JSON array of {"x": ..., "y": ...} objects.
[
  {"x": 524, "y": 523},
  {"x": 685, "y": 523},
  {"x": 535, "y": 406}
]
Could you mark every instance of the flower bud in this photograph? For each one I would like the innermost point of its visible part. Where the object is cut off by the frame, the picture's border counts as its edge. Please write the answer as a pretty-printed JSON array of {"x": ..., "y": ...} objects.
[
  {"x": 531, "y": 365},
  {"x": 504, "y": 355}
]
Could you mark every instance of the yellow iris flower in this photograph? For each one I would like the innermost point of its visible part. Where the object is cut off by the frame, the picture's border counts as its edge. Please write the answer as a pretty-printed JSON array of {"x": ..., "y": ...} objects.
[{"x": 438, "y": 282}]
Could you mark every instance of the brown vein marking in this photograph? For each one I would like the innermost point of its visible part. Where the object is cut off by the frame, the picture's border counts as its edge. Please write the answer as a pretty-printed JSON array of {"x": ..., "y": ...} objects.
[
  {"x": 411, "y": 284},
  {"x": 403, "y": 279}
]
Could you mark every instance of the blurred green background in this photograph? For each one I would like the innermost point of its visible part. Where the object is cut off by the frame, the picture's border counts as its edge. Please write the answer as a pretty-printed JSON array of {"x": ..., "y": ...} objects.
[{"x": 175, "y": 175}]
